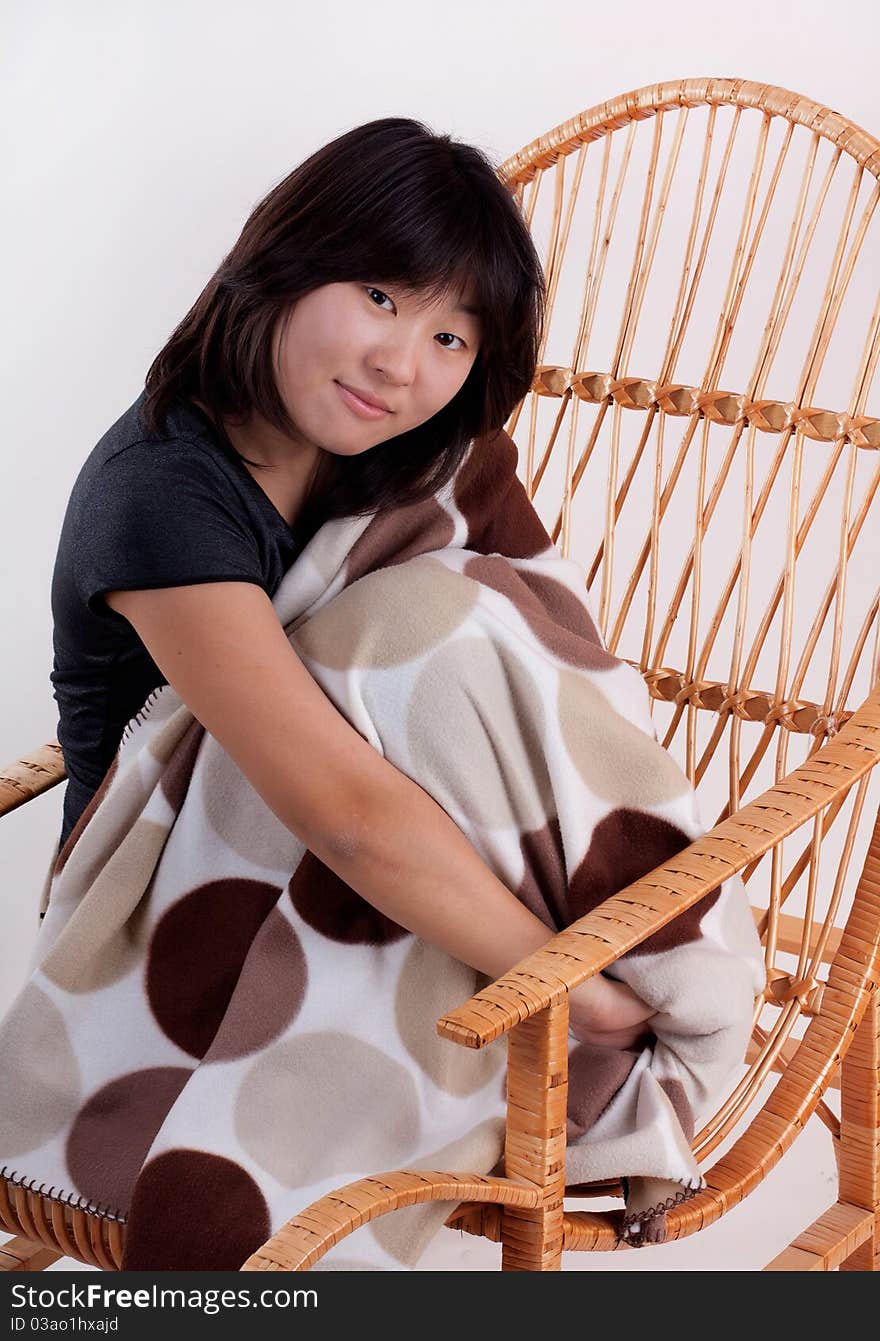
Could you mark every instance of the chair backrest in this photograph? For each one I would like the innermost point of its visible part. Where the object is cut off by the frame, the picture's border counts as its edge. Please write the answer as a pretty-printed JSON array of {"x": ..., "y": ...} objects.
[{"x": 700, "y": 438}]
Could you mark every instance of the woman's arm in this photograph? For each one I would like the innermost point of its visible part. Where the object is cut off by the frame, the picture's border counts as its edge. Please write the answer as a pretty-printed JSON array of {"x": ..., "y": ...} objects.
[
  {"x": 411, "y": 861},
  {"x": 223, "y": 649}
]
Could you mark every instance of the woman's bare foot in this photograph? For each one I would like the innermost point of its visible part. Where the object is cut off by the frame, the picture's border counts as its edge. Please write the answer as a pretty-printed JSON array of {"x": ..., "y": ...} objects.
[{"x": 647, "y": 1201}]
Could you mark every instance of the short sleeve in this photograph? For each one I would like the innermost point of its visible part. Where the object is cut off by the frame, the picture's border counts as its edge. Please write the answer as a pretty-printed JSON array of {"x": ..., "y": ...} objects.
[{"x": 161, "y": 514}]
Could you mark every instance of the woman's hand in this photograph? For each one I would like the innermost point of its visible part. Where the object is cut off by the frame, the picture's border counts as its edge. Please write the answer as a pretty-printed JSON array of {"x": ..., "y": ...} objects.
[{"x": 608, "y": 1013}]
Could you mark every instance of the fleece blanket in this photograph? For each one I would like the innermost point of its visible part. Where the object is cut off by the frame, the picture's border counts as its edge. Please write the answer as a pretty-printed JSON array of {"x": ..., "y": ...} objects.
[{"x": 216, "y": 1030}]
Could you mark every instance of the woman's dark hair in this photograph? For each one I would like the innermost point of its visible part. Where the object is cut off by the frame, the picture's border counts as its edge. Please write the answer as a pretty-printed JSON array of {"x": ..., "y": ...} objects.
[{"x": 389, "y": 201}]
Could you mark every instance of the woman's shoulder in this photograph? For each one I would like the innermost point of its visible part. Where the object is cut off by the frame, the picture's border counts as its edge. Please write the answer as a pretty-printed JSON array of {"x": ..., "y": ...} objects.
[
  {"x": 156, "y": 510},
  {"x": 186, "y": 448}
]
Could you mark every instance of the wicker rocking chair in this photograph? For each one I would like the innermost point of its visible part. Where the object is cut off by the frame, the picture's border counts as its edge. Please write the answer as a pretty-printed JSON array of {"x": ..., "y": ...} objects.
[{"x": 750, "y": 246}]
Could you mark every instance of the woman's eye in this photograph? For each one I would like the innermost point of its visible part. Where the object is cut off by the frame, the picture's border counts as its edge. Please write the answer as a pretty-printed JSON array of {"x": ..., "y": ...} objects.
[{"x": 371, "y": 290}]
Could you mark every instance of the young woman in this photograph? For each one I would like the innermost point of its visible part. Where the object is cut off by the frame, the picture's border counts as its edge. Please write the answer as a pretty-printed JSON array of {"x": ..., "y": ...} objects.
[{"x": 381, "y": 308}]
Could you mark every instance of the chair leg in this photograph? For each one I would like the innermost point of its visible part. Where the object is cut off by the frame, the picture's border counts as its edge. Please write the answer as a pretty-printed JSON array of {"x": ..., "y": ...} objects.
[
  {"x": 537, "y": 1090},
  {"x": 20, "y": 1254},
  {"x": 858, "y": 1156}
]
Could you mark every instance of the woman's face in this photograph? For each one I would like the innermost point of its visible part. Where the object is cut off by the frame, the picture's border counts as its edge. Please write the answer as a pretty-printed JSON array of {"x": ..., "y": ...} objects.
[{"x": 390, "y": 347}]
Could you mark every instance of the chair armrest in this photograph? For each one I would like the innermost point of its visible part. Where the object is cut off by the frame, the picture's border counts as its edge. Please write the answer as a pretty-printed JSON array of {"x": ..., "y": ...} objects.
[
  {"x": 26, "y": 778},
  {"x": 633, "y": 914}
]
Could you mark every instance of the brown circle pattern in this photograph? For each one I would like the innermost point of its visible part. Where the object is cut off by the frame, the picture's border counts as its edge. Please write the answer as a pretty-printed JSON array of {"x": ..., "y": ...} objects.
[
  {"x": 553, "y": 614},
  {"x": 594, "y": 732},
  {"x": 389, "y": 618},
  {"x": 74, "y": 836},
  {"x": 37, "y": 1030},
  {"x": 170, "y": 722},
  {"x": 224, "y": 1212},
  {"x": 269, "y": 993},
  {"x": 595, "y": 1075},
  {"x": 104, "y": 938},
  {"x": 115, "y": 1128},
  {"x": 430, "y": 984},
  {"x": 626, "y": 845},
  {"x": 494, "y": 502},
  {"x": 406, "y": 1232},
  {"x": 337, "y": 911},
  {"x": 544, "y": 885},
  {"x": 466, "y": 685},
  {"x": 319, "y": 1084},
  {"x": 239, "y": 816},
  {"x": 397, "y": 534},
  {"x": 196, "y": 956},
  {"x": 176, "y": 776}
]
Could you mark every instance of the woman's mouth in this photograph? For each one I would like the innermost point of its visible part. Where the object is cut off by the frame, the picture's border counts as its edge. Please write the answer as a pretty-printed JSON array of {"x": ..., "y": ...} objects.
[{"x": 359, "y": 406}]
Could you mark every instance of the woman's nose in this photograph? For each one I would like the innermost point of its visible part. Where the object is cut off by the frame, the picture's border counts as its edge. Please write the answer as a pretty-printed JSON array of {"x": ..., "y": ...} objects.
[{"x": 397, "y": 361}]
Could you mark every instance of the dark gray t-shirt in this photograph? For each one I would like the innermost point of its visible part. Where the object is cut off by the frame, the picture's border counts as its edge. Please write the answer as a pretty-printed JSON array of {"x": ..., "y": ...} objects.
[{"x": 145, "y": 512}]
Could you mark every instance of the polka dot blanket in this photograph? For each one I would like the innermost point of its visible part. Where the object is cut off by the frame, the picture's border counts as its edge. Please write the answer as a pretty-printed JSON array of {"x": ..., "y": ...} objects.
[{"x": 216, "y": 1030}]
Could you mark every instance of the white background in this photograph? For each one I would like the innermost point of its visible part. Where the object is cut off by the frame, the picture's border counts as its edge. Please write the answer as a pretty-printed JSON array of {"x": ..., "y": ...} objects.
[{"x": 138, "y": 137}]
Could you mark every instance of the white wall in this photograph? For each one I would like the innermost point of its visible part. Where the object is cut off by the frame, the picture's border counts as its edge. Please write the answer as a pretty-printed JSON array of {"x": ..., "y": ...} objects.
[{"x": 138, "y": 136}]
